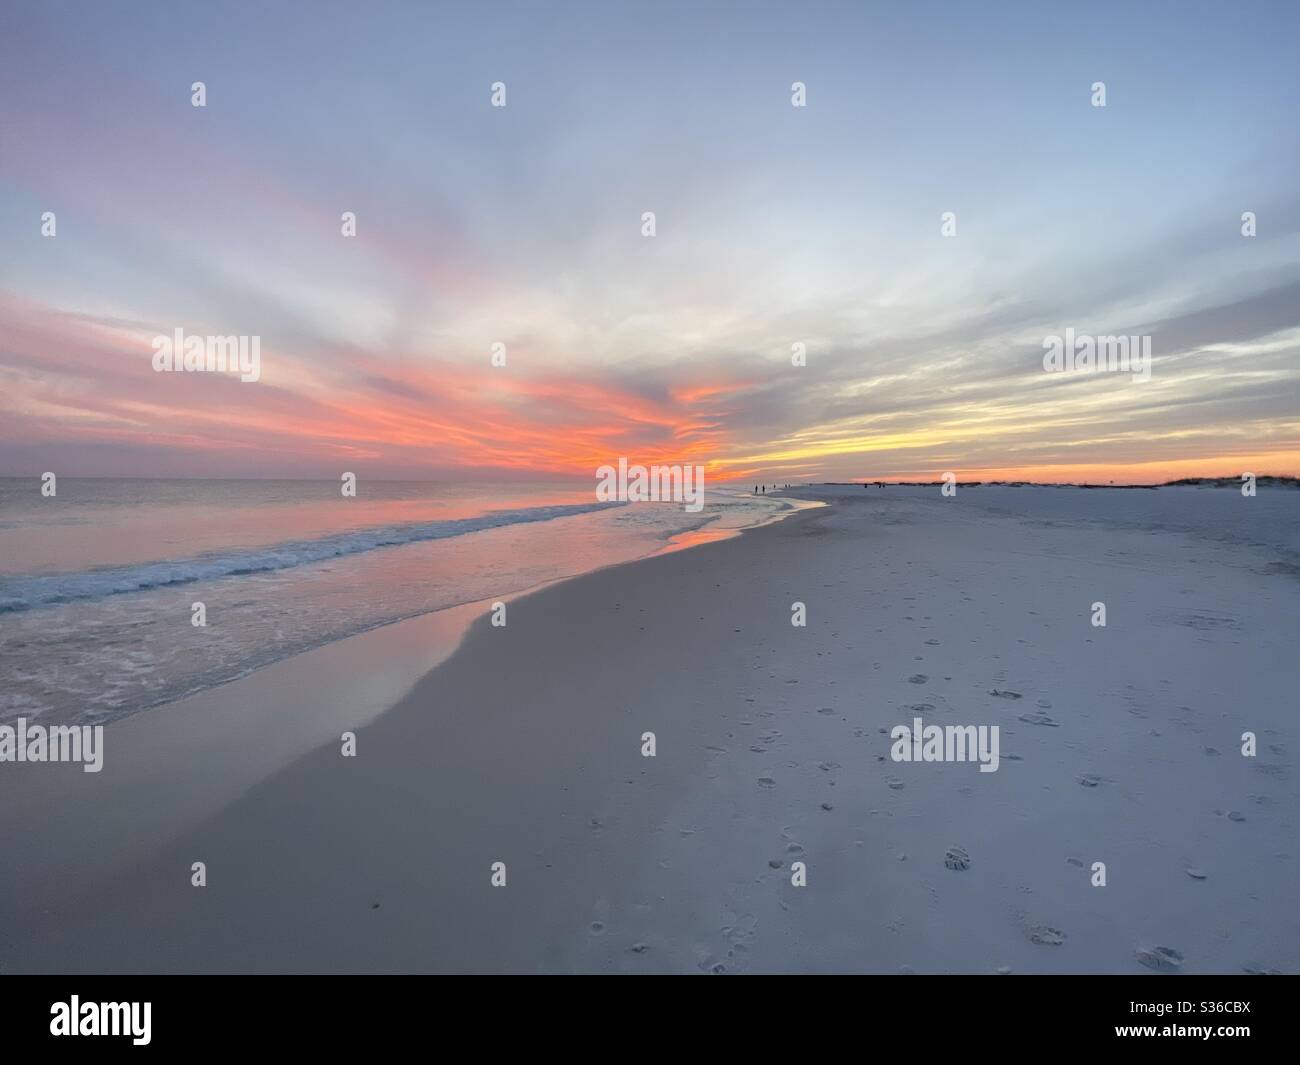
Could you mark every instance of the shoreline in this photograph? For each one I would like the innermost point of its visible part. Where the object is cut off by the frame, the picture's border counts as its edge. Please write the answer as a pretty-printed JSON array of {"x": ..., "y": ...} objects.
[
  {"x": 524, "y": 746},
  {"x": 503, "y": 558},
  {"x": 208, "y": 747}
]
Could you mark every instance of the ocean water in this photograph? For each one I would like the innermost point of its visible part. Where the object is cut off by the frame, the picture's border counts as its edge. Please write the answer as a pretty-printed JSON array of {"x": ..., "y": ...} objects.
[{"x": 97, "y": 584}]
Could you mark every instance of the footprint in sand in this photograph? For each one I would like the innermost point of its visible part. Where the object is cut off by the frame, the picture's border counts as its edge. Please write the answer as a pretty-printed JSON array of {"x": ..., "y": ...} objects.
[
  {"x": 1091, "y": 780},
  {"x": 1195, "y": 874},
  {"x": 1161, "y": 959},
  {"x": 894, "y": 782},
  {"x": 1038, "y": 719},
  {"x": 1004, "y": 694},
  {"x": 1235, "y": 815},
  {"x": 1077, "y": 863},
  {"x": 1046, "y": 935},
  {"x": 956, "y": 858},
  {"x": 917, "y": 678},
  {"x": 766, "y": 782}
]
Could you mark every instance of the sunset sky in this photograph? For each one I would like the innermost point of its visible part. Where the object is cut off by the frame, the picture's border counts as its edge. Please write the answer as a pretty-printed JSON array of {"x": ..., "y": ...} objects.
[{"x": 776, "y": 225}]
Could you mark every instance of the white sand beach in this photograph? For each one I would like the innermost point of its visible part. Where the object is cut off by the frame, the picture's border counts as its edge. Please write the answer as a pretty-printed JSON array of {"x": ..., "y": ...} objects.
[{"x": 1118, "y": 744}]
